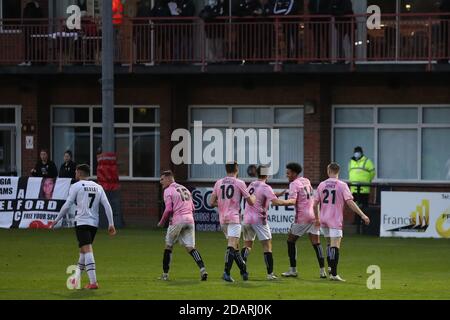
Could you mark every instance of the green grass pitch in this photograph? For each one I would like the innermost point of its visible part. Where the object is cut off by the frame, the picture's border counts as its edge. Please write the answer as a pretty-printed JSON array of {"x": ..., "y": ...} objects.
[{"x": 33, "y": 264}]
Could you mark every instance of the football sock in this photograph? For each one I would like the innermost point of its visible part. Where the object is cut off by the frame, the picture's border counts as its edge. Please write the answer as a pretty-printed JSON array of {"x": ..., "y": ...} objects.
[
  {"x": 229, "y": 258},
  {"x": 319, "y": 253},
  {"x": 198, "y": 258},
  {"x": 268, "y": 258},
  {"x": 334, "y": 259},
  {"x": 81, "y": 265},
  {"x": 90, "y": 267},
  {"x": 245, "y": 252},
  {"x": 292, "y": 252},
  {"x": 240, "y": 261},
  {"x": 166, "y": 260},
  {"x": 328, "y": 255}
]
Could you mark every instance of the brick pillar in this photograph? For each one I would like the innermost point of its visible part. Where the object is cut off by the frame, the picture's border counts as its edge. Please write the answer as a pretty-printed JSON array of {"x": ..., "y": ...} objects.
[
  {"x": 29, "y": 102},
  {"x": 317, "y": 133}
]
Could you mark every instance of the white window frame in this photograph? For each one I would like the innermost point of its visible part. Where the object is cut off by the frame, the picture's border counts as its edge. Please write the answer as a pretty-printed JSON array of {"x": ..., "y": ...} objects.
[
  {"x": 233, "y": 125},
  {"x": 130, "y": 125},
  {"x": 17, "y": 126},
  {"x": 419, "y": 126}
]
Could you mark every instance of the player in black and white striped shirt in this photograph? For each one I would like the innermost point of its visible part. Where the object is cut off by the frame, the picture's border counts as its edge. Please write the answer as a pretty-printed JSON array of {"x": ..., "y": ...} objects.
[{"x": 87, "y": 196}]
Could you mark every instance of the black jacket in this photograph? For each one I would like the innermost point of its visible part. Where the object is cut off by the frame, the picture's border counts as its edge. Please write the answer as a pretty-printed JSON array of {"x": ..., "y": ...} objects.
[
  {"x": 321, "y": 8},
  {"x": 161, "y": 9},
  {"x": 67, "y": 170},
  {"x": 341, "y": 7},
  {"x": 445, "y": 6},
  {"x": 31, "y": 11},
  {"x": 215, "y": 9},
  {"x": 48, "y": 170}
]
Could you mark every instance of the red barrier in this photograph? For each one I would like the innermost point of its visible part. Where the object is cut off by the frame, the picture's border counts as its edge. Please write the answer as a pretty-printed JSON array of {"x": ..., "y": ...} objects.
[{"x": 107, "y": 172}]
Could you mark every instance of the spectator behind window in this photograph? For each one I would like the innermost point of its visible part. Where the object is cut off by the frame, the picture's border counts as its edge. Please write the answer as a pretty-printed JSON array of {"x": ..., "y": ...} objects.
[
  {"x": 214, "y": 8},
  {"x": 68, "y": 168},
  {"x": 340, "y": 9},
  {"x": 144, "y": 9},
  {"x": 44, "y": 167},
  {"x": 161, "y": 9},
  {"x": 32, "y": 10}
]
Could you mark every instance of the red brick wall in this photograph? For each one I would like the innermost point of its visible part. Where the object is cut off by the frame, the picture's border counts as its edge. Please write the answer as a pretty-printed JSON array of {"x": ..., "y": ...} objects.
[{"x": 140, "y": 200}]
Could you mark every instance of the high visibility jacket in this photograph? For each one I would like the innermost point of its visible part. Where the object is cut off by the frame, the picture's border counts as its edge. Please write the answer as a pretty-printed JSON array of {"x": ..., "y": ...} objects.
[{"x": 361, "y": 171}]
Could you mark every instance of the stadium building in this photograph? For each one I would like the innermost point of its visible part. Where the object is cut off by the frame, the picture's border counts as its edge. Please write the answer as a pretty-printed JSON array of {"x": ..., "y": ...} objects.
[{"x": 327, "y": 83}]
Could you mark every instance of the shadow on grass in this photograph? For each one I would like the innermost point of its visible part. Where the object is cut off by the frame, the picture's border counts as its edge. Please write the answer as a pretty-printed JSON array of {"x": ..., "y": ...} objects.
[{"x": 81, "y": 294}]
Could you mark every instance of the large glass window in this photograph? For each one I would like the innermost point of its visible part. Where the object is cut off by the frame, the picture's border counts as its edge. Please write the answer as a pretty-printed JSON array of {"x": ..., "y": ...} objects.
[
  {"x": 287, "y": 119},
  {"x": 346, "y": 139},
  {"x": 406, "y": 143},
  {"x": 136, "y": 133}
]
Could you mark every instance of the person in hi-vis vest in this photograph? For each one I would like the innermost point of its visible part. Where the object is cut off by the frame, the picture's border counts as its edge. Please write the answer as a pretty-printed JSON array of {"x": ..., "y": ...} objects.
[{"x": 360, "y": 170}]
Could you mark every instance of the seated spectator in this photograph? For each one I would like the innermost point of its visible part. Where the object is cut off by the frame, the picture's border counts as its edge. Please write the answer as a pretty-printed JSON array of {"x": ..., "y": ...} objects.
[
  {"x": 162, "y": 43},
  {"x": 144, "y": 9},
  {"x": 290, "y": 27},
  {"x": 320, "y": 29},
  {"x": 215, "y": 29},
  {"x": 32, "y": 11},
  {"x": 182, "y": 35},
  {"x": 344, "y": 27}
]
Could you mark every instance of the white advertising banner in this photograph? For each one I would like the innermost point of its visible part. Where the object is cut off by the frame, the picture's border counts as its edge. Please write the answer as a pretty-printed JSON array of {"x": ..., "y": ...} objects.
[
  {"x": 33, "y": 202},
  {"x": 415, "y": 215},
  {"x": 207, "y": 219}
]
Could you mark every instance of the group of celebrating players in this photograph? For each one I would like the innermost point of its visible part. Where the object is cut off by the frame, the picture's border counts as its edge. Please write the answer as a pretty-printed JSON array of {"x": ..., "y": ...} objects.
[
  {"x": 317, "y": 212},
  {"x": 314, "y": 212}
]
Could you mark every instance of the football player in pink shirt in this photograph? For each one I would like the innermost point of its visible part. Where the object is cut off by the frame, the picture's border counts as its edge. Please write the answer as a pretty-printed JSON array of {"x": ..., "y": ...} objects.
[
  {"x": 255, "y": 218},
  {"x": 301, "y": 196},
  {"x": 179, "y": 211},
  {"x": 332, "y": 194},
  {"x": 227, "y": 196}
]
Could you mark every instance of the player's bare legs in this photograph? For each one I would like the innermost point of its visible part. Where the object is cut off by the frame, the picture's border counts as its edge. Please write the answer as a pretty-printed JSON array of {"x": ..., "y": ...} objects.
[
  {"x": 292, "y": 253},
  {"x": 315, "y": 241},
  {"x": 245, "y": 252},
  {"x": 198, "y": 259}
]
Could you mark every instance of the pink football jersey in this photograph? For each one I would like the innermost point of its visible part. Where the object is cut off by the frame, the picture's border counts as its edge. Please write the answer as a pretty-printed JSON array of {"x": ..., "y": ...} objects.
[
  {"x": 300, "y": 189},
  {"x": 229, "y": 192},
  {"x": 332, "y": 195},
  {"x": 257, "y": 214},
  {"x": 179, "y": 199}
]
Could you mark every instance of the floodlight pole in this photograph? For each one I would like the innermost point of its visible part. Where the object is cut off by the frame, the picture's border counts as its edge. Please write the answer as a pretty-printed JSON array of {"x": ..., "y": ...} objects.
[{"x": 107, "y": 77}]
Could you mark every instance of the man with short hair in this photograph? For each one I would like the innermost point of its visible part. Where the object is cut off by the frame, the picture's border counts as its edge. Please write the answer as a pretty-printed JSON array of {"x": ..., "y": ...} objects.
[
  {"x": 227, "y": 196},
  {"x": 301, "y": 196},
  {"x": 179, "y": 209},
  {"x": 332, "y": 194},
  {"x": 255, "y": 219},
  {"x": 87, "y": 195}
]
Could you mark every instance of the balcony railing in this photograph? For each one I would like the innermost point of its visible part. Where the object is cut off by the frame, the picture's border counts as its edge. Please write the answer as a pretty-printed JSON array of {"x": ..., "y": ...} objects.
[{"x": 271, "y": 40}]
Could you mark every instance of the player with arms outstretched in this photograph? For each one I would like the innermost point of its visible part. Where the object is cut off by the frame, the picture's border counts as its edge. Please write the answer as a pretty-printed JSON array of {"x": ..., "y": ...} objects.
[
  {"x": 179, "y": 209},
  {"x": 227, "y": 196},
  {"x": 87, "y": 195},
  {"x": 332, "y": 194}
]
